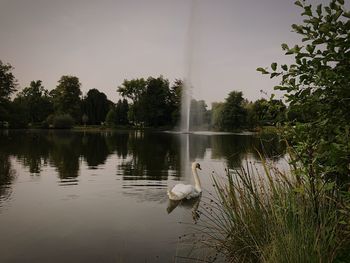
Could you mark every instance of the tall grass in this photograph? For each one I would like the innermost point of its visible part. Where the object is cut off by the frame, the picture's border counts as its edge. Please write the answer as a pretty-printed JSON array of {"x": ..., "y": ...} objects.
[{"x": 274, "y": 216}]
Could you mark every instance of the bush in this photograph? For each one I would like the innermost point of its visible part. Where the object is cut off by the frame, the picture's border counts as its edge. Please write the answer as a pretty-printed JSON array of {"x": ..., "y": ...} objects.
[
  {"x": 64, "y": 121},
  {"x": 111, "y": 117}
]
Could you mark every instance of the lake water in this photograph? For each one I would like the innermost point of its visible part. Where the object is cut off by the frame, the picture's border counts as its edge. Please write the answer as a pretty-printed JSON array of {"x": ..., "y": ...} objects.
[{"x": 101, "y": 196}]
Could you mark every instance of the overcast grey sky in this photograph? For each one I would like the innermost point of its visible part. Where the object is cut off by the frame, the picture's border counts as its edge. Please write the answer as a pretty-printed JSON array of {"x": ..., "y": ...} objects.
[{"x": 220, "y": 43}]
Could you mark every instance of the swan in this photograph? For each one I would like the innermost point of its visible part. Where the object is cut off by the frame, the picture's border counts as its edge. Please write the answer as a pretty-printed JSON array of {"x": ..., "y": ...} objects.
[{"x": 182, "y": 191}]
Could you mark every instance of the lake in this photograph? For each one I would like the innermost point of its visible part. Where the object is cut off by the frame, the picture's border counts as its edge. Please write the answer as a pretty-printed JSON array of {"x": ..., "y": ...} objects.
[{"x": 69, "y": 196}]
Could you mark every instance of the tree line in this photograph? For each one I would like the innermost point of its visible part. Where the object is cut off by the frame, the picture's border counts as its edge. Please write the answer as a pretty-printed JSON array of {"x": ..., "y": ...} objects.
[{"x": 152, "y": 102}]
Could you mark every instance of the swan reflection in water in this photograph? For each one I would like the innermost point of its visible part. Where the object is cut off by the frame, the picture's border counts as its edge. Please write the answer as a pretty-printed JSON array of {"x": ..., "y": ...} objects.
[{"x": 192, "y": 204}]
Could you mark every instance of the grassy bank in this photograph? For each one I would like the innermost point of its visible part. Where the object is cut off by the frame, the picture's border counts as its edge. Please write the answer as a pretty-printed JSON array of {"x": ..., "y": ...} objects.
[{"x": 273, "y": 216}]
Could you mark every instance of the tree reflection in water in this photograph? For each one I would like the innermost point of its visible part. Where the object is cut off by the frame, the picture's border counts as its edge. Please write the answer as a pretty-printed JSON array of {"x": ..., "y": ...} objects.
[
  {"x": 7, "y": 175},
  {"x": 144, "y": 156}
]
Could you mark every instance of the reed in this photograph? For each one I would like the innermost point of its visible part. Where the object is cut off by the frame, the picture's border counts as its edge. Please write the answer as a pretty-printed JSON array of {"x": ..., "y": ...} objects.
[{"x": 276, "y": 216}]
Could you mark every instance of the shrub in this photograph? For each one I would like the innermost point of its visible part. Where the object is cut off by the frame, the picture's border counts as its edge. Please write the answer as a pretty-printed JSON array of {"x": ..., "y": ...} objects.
[
  {"x": 64, "y": 121},
  {"x": 111, "y": 117}
]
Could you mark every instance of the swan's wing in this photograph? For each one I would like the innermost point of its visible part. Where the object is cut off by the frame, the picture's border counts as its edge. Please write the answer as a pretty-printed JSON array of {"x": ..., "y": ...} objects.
[
  {"x": 193, "y": 194},
  {"x": 180, "y": 191}
]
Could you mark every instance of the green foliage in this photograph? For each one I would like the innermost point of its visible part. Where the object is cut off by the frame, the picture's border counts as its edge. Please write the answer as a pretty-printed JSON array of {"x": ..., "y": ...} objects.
[
  {"x": 111, "y": 117},
  {"x": 216, "y": 115},
  {"x": 238, "y": 113},
  {"x": 17, "y": 115},
  {"x": 96, "y": 106},
  {"x": 121, "y": 110},
  {"x": 268, "y": 112},
  {"x": 66, "y": 97},
  {"x": 199, "y": 115},
  {"x": 64, "y": 121},
  {"x": 36, "y": 101},
  {"x": 118, "y": 115},
  {"x": 176, "y": 96},
  {"x": 133, "y": 89},
  {"x": 233, "y": 112},
  {"x": 155, "y": 108},
  {"x": 8, "y": 83},
  {"x": 317, "y": 88},
  {"x": 154, "y": 103}
]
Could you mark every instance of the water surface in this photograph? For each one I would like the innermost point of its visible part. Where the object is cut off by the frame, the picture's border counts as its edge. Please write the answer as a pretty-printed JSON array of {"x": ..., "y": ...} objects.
[{"x": 101, "y": 196}]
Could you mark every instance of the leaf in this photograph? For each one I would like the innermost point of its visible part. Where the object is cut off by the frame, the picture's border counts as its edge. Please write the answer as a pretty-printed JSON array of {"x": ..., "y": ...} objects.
[
  {"x": 262, "y": 70},
  {"x": 298, "y": 3},
  {"x": 307, "y": 11},
  {"x": 284, "y": 67},
  {"x": 318, "y": 41},
  {"x": 310, "y": 48},
  {"x": 324, "y": 28},
  {"x": 284, "y": 46},
  {"x": 274, "y": 74},
  {"x": 297, "y": 28},
  {"x": 341, "y": 2},
  {"x": 346, "y": 14},
  {"x": 319, "y": 9},
  {"x": 281, "y": 88},
  {"x": 292, "y": 81},
  {"x": 299, "y": 190},
  {"x": 274, "y": 66},
  {"x": 338, "y": 14}
]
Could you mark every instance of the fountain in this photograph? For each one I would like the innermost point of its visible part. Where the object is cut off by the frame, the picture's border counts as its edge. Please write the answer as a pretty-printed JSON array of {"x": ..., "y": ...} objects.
[
  {"x": 187, "y": 95},
  {"x": 186, "y": 107},
  {"x": 187, "y": 85}
]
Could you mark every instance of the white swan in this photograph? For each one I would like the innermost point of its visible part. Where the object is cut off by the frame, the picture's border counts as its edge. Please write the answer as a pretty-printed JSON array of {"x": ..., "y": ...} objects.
[{"x": 182, "y": 191}]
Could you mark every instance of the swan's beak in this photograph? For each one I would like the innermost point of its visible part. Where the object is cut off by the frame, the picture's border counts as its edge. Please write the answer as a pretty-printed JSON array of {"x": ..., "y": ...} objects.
[{"x": 198, "y": 166}]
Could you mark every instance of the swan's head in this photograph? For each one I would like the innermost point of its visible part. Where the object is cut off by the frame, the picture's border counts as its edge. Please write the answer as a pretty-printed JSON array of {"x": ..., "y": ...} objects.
[{"x": 196, "y": 165}]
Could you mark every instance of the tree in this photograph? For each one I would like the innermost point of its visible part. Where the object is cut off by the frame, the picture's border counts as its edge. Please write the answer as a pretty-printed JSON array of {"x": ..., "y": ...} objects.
[
  {"x": 124, "y": 109},
  {"x": 66, "y": 97},
  {"x": 318, "y": 84},
  {"x": 111, "y": 117},
  {"x": 217, "y": 115},
  {"x": 96, "y": 106},
  {"x": 133, "y": 90},
  {"x": 176, "y": 96},
  {"x": 199, "y": 117},
  {"x": 153, "y": 101},
  {"x": 35, "y": 99},
  {"x": 121, "y": 112},
  {"x": 268, "y": 112},
  {"x": 8, "y": 85},
  {"x": 233, "y": 112}
]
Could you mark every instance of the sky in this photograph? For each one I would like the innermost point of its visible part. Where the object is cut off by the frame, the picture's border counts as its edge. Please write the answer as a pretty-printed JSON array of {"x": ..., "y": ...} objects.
[{"x": 216, "y": 44}]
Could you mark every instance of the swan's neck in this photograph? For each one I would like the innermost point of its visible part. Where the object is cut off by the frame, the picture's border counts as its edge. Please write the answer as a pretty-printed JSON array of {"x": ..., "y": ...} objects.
[{"x": 197, "y": 183}]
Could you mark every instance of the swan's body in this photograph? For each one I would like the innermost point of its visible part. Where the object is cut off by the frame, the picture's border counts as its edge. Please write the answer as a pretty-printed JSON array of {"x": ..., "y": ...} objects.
[{"x": 182, "y": 191}]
